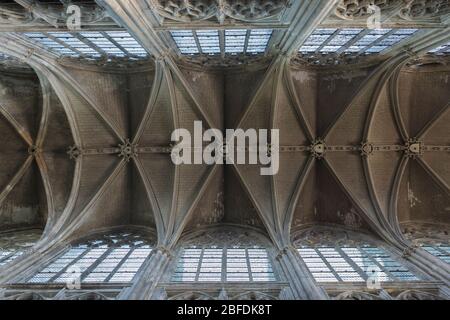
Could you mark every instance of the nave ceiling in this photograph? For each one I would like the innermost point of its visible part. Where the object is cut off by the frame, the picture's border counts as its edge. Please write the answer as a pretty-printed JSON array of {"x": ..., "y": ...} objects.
[{"x": 363, "y": 144}]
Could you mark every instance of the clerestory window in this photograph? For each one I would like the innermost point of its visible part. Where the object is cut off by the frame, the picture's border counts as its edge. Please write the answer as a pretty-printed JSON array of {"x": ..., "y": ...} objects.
[
  {"x": 229, "y": 264},
  {"x": 216, "y": 42},
  {"x": 15, "y": 244},
  {"x": 111, "y": 258},
  {"x": 354, "y": 40},
  {"x": 353, "y": 264},
  {"x": 90, "y": 44}
]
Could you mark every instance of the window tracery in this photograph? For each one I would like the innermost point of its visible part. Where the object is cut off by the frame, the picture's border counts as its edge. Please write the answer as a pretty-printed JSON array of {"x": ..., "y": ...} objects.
[
  {"x": 223, "y": 256},
  {"x": 359, "y": 41},
  {"x": 53, "y": 14},
  {"x": 402, "y": 9},
  {"x": 15, "y": 244},
  {"x": 235, "y": 41},
  {"x": 334, "y": 255},
  {"x": 110, "y": 258},
  {"x": 441, "y": 50},
  {"x": 91, "y": 44},
  {"x": 433, "y": 238},
  {"x": 241, "y": 10}
]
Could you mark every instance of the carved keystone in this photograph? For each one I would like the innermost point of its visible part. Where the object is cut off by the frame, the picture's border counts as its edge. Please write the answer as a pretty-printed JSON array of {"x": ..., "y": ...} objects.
[
  {"x": 33, "y": 150},
  {"x": 366, "y": 149},
  {"x": 413, "y": 148},
  {"x": 74, "y": 152},
  {"x": 318, "y": 149},
  {"x": 127, "y": 150}
]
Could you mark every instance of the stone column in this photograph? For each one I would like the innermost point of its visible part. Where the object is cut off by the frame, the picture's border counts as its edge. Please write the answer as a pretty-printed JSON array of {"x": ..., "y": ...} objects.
[
  {"x": 432, "y": 266},
  {"x": 145, "y": 284},
  {"x": 302, "y": 283}
]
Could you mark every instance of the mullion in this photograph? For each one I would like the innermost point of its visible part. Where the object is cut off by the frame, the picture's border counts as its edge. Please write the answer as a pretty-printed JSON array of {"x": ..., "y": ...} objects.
[
  {"x": 114, "y": 42},
  {"x": 222, "y": 42},
  {"x": 376, "y": 42},
  {"x": 63, "y": 270},
  {"x": 197, "y": 42},
  {"x": 119, "y": 265},
  {"x": 249, "y": 269},
  {"x": 328, "y": 264},
  {"x": 352, "y": 263},
  {"x": 353, "y": 41},
  {"x": 247, "y": 38},
  {"x": 330, "y": 38},
  {"x": 382, "y": 268},
  {"x": 63, "y": 43},
  {"x": 199, "y": 265},
  {"x": 90, "y": 44},
  {"x": 99, "y": 260},
  {"x": 224, "y": 264}
]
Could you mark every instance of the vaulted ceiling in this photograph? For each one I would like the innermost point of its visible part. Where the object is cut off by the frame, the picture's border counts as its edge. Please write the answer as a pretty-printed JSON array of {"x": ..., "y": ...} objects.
[{"x": 363, "y": 143}]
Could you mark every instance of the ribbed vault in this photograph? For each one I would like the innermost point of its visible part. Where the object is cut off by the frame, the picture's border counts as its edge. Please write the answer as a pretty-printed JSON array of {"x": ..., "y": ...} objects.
[{"x": 87, "y": 147}]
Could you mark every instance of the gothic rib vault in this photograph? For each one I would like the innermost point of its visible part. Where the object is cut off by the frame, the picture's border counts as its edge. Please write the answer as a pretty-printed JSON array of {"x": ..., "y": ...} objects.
[{"x": 363, "y": 147}]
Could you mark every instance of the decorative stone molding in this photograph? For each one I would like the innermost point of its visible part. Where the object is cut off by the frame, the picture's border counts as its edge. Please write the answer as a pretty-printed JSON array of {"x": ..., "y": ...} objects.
[
  {"x": 223, "y": 294},
  {"x": 357, "y": 295},
  {"x": 327, "y": 236},
  {"x": 199, "y": 10},
  {"x": 367, "y": 149},
  {"x": 116, "y": 239},
  {"x": 413, "y": 148},
  {"x": 20, "y": 240},
  {"x": 253, "y": 10},
  {"x": 417, "y": 295},
  {"x": 15, "y": 15},
  {"x": 318, "y": 149},
  {"x": 74, "y": 152},
  {"x": 128, "y": 150},
  {"x": 355, "y": 9},
  {"x": 107, "y": 63},
  {"x": 28, "y": 296},
  {"x": 228, "y": 61},
  {"x": 350, "y": 219},
  {"x": 426, "y": 233},
  {"x": 35, "y": 12},
  {"x": 419, "y": 9},
  {"x": 329, "y": 59},
  {"x": 225, "y": 236},
  {"x": 408, "y": 251},
  {"x": 281, "y": 253},
  {"x": 185, "y": 10},
  {"x": 429, "y": 60},
  {"x": 88, "y": 296},
  {"x": 411, "y": 10},
  {"x": 58, "y": 293}
]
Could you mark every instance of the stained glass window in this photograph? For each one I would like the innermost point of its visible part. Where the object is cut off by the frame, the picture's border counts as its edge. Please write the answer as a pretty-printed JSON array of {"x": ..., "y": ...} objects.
[
  {"x": 353, "y": 264},
  {"x": 440, "y": 251},
  {"x": 441, "y": 50},
  {"x": 113, "y": 258},
  {"x": 90, "y": 44},
  {"x": 354, "y": 40},
  {"x": 235, "y": 41},
  {"x": 224, "y": 265},
  {"x": 15, "y": 244}
]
